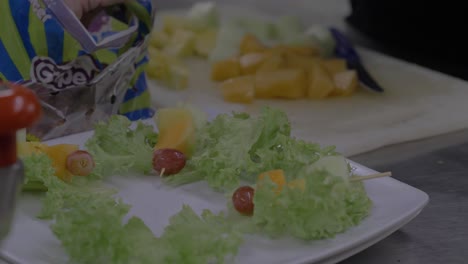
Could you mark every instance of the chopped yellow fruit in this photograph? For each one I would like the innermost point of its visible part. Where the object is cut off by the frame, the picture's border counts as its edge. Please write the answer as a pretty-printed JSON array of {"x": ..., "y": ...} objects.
[
  {"x": 173, "y": 23},
  {"x": 295, "y": 61},
  {"x": 239, "y": 90},
  {"x": 178, "y": 76},
  {"x": 346, "y": 83},
  {"x": 297, "y": 183},
  {"x": 320, "y": 83},
  {"x": 176, "y": 129},
  {"x": 205, "y": 42},
  {"x": 181, "y": 44},
  {"x": 303, "y": 50},
  {"x": 276, "y": 176},
  {"x": 287, "y": 83},
  {"x": 59, "y": 154},
  {"x": 225, "y": 69},
  {"x": 334, "y": 66},
  {"x": 273, "y": 63},
  {"x": 250, "y": 44},
  {"x": 249, "y": 63},
  {"x": 159, "y": 39}
]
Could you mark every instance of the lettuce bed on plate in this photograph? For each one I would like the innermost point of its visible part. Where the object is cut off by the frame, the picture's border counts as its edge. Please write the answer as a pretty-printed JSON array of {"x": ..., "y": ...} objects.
[{"x": 88, "y": 218}]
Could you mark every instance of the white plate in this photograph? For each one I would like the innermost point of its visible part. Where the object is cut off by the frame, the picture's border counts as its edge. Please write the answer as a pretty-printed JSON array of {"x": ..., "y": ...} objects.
[{"x": 395, "y": 204}]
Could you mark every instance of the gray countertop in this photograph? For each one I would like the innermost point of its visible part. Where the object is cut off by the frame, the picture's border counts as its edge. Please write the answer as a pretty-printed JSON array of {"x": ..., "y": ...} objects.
[{"x": 438, "y": 166}]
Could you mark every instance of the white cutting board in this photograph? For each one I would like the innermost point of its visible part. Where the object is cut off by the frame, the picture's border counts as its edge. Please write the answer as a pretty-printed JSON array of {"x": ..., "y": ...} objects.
[{"x": 417, "y": 103}]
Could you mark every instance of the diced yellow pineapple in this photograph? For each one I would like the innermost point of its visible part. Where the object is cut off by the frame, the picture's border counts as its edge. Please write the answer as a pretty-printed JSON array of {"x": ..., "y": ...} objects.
[
  {"x": 287, "y": 83},
  {"x": 239, "y": 90},
  {"x": 179, "y": 76},
  {"x": 225, "y": 69},
  {"x": 249, "y": 63},
  {"x": 205, "y": 42},
  {"x": 181, "y": 44},
  {"x": 320, "y": 83},
  {"x": 303, "y": 50},
  {"x": 250, "y": 44},
  {"x": 334, "y": 66},
  {"x": 295, "y": 61},
  {"x": 346, "y": 83},
  {"x": 272, "y": 63}
]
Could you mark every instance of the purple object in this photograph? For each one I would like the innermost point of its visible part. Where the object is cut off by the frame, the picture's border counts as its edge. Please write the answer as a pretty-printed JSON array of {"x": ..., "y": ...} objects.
[{"x": 345, "y": 50}]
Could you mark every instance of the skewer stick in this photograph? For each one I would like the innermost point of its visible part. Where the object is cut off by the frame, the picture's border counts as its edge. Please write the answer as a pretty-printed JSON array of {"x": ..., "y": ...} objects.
[
  {"x": 372, "y": 176},
  {"x": 162, "y": 172}
]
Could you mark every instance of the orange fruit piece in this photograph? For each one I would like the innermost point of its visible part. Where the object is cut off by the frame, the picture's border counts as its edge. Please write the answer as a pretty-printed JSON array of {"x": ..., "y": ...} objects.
[
  {"x": 176, "y": 130},
  {"x": 59, "y": 154},
  {"x": 276, "y": 176}
]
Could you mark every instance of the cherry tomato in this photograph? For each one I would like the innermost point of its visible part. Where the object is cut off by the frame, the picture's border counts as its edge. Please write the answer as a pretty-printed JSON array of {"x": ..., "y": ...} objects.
[
  {"x": 80, "y": 163},
  {"x": 168, "y": 161},
  {"x": 20, "y": 108},
  {"x": 243, "y": 200}
]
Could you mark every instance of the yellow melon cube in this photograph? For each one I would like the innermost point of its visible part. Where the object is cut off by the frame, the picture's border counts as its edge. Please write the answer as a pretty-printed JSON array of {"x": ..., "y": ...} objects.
[
  {"x": 276, "y": 176},
  {"x": 287, "y": 83},
  {"x": 272, "y": 63},
  {"x": 225, "y": 69},
  {"x": 320, "y": 83},
  {"x": 239, "y": 90},
  {"x": 251, "y": 44},
  {"x": 334, "y": 66},
  {"x": 296, "y": 61},
  {"x": 249, "y": 63},
  {"x": 346, "y": 83}
]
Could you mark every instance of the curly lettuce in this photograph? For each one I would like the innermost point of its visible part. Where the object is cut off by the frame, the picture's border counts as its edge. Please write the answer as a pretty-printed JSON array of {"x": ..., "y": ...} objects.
[
  {"x": 318, "y": 206},
  {"x": 118, "y": 149}
]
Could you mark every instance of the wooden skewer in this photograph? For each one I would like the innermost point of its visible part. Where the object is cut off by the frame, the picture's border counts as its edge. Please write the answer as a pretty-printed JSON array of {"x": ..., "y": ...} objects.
[
  {"x": 162, "y": 172},
  {"x": 372, "y": 176}
]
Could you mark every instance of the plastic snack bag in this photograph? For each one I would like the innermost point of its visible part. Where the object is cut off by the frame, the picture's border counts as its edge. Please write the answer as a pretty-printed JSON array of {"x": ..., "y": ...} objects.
[{"x": 81, "y": 73}]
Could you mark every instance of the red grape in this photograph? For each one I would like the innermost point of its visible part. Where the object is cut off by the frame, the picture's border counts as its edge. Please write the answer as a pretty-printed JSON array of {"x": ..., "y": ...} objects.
[
  {"x": 168, "y": 161},
  {"x": 80, "y": 163},
  {"x": 243, "y": 200}
]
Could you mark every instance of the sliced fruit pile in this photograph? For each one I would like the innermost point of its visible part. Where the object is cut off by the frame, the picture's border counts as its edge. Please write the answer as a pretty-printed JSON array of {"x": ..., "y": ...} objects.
[
  {"x": 193, "y": 34},
  {"x": 282, "y": 71}
]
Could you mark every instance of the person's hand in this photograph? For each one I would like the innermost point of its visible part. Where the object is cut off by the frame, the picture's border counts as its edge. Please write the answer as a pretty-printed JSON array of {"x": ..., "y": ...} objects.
[{"x": 82, "y": 7}]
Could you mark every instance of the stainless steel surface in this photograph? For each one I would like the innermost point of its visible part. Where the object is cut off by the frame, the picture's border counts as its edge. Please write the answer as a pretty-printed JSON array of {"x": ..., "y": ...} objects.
[
  {"x": 438, "y": 166},
  {"x": 10, "y": 184}
]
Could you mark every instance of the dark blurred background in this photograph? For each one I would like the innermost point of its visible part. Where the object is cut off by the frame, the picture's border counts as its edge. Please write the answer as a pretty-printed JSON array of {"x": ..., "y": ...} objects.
[{"x": 428, "y": 33}]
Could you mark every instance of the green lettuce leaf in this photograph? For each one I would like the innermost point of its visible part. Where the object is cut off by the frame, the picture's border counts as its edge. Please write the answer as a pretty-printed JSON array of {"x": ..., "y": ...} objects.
[
  {"x": 239, "y": 147},
  {"x": 328, "y": 205},
  {"x": 118, "y": 149},
  {"x": 37, "y": 171},
  {"x": 190, "y": 238}
]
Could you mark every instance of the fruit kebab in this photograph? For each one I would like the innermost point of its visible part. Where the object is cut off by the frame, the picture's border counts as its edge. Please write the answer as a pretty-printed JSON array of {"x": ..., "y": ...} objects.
[{"x": 20, "y": 108}]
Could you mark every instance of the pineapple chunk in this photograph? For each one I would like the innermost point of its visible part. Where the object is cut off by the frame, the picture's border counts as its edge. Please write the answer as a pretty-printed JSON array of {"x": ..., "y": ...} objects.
[
  {"x": 288, "y": 83},
  {"x": 159, "y": 39},
  {"x": 205, "y": 42},
  {"x": 249, "y": 63},
  {"x": 179, "y": 76},
  {"x": 181, "y": 44},
  {"x": 334, "y": 66},
  {"x": 225, "y": 69},
  {"x": 295, "y": 61},
  {"x": 239, "y": 90},
  {"x": 158, "y": 65},
  {"x": 346, "y": 83},
  {"x": 251, "y": 44},
  {"x": 320, "y": 83},
  {"x": 302, "y": 50},
  {"x": 273, "y": 63}
]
